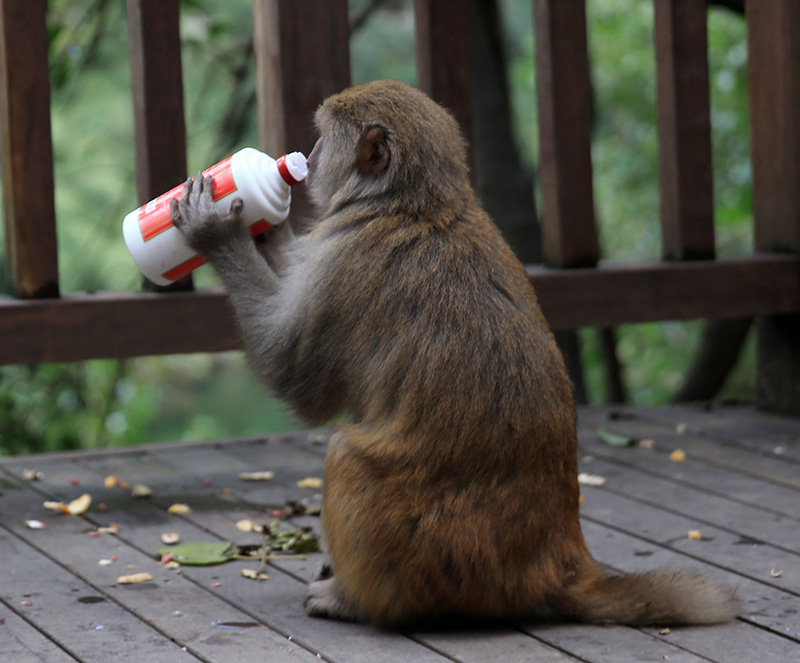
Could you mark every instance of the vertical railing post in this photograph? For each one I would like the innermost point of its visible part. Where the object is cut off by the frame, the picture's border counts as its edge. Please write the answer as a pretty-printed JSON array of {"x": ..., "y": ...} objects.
[
  {"x": 31, "y": 252},
  {"x": 569, "y": 238},
  {"x": 774, "y": 80},
  {"x": 684, "y": 129},
  {"x": 442, "y": 34},
  {"x": 157, "y": 80},
  {"x": 302, "y": 56}
]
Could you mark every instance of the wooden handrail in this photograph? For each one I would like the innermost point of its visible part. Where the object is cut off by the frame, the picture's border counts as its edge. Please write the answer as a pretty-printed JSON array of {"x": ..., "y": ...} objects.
[{"x": 112, "y": 324}]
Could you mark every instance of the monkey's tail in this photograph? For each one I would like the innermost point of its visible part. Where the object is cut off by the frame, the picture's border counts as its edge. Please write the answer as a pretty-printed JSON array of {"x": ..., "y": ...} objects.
[{"x": 657, "y": 597}]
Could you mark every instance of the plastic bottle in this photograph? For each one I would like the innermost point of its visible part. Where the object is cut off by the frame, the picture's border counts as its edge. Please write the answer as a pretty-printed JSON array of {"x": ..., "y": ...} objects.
[{"x": 263, "y": 184}]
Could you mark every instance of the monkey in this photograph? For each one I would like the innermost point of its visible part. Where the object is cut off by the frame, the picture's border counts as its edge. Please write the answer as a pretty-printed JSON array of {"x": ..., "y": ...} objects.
[{"x": 452, "y": 492}]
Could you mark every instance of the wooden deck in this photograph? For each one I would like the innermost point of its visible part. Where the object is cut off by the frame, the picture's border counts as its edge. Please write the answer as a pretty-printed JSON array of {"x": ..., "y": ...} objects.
[{"x": 739, "y": 487}]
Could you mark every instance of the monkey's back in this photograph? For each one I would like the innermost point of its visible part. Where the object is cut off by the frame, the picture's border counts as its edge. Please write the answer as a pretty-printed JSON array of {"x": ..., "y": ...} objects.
[{"x": 460, "y": 468}]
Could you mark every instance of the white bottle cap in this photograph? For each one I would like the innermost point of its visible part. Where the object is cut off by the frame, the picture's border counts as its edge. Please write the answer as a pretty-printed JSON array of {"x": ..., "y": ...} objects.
[{"x": 293, "y": 167}]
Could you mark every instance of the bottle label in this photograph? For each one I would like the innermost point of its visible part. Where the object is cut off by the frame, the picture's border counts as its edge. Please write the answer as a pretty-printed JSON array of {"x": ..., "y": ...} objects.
[{"x": 155, "y": 217}]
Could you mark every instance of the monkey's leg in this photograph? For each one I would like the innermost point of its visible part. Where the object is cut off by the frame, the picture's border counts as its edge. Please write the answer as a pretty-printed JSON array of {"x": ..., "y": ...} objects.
[{"x": 324, "y": 598}]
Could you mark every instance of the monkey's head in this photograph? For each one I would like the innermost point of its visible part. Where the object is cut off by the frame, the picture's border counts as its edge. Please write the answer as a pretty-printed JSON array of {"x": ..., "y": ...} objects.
[{"x": 386, "y": 137}]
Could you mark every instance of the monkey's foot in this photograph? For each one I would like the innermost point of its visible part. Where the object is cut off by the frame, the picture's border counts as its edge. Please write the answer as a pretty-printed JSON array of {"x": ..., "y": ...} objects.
[{"x": 324, "y": 598}]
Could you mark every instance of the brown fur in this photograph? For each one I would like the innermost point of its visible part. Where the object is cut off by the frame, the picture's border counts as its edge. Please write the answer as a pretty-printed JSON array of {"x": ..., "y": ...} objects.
[{"x": 454, "y": 491}]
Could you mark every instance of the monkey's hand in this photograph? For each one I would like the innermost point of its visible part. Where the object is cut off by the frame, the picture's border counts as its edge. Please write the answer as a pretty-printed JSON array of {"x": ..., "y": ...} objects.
[{"x": 204, "y": 228}]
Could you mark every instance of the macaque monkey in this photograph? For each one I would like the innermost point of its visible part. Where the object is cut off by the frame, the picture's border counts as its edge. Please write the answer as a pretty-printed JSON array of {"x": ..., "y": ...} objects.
[{"x": 453, "y": 492}]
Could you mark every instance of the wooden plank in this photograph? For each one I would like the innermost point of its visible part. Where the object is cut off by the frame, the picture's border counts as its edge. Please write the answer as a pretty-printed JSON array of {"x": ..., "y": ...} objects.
[
  {"x": 625, "y": 529},
  {"x": 170, "y": 603},
  {"x": 743, "y": 426},
  {"x": 292, "y": 459},
  {"x": 773, "y": 28},
  {"x": 703, "y": 507},
  {"x": 276, "y": 603},
  {"x": 614, "y": 294},
  {"x": 442, "y": 43},
  {"x": 693, "y": 473},
  {"x": 610, "y": 644},
  {"x": 80, "y": 327},
  {"x": 500, "y": 642},
  {"x": 607, "y": 644},
  {"x": 302, "y": 56},
  {"x": 22, "y": 642},
  {"x": 717, "y": 451},
  {"x": 774, "y": 84},
  {"x": 157, "y": 81},
  {"x": 202, "y": 322},
  {"x": 752, "y": 558},
  {"x": 31, "y": 256},
  {"x": 569, "y": 238},
  {"x": 684, "y": 130},
  {"x": 77, "y": 615},
  {"x": 769, "y": 619}
]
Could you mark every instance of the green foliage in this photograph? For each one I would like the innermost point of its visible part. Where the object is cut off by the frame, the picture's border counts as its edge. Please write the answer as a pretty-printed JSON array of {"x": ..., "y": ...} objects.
[{"x": 56, "y": 407}]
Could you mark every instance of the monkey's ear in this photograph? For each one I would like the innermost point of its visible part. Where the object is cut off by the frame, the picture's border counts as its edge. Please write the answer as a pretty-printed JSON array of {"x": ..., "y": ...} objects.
[{"x": 373, "y": 152}]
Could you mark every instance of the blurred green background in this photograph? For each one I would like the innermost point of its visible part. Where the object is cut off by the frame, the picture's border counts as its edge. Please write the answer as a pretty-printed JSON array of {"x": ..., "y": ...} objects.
[{"x": 120, "y": 402}]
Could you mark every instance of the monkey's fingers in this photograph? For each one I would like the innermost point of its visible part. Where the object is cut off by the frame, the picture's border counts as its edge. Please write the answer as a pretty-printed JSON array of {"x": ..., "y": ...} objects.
[
  {"x": 208, "y": 187},
  {"x": 183, "y": 204},
  {"x": 175, "y": 213},
  {"x": 236, "y": 208}
]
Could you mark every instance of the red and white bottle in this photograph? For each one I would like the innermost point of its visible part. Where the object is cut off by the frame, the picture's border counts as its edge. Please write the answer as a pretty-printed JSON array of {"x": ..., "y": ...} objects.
[{"x": 264, "y": 185}]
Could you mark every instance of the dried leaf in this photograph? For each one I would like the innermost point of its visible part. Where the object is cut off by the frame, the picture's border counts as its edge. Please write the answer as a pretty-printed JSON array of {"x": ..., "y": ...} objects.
[
  {"x": 310, "y": 482},
  {"x": 586, "y": 479},
  {"x": 170, "y": 538},
  {"x": 615, "y": 439},
  {"x": 140, "y": 490},
  {"x": 244, "y": 525},
  {"x": 678, "y": 456},
  {"x": 647, "y": 444},
  {"x": 75, "y": 507},
  {"x": 110, "y": 481},
  {"x": 254, "y": 575},
  {"x": 775, "y": 574},
  {"x": 56, "y": 506},
  {"x": 694, "y": 534},
  {"x": 179, "y": 509},
  {"x": 265, "y": 475},
  {"x": 134, "y": 578},
  {"x": 32, "y": 475}
]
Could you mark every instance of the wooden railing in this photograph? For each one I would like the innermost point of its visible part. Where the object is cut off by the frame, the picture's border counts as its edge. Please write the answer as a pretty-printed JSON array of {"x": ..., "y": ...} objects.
[{"x": 301, "y": 52}]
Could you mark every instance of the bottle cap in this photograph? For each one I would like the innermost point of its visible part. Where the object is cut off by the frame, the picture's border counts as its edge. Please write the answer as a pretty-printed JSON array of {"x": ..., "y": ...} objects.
[{"x": 293, "y": 167}]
